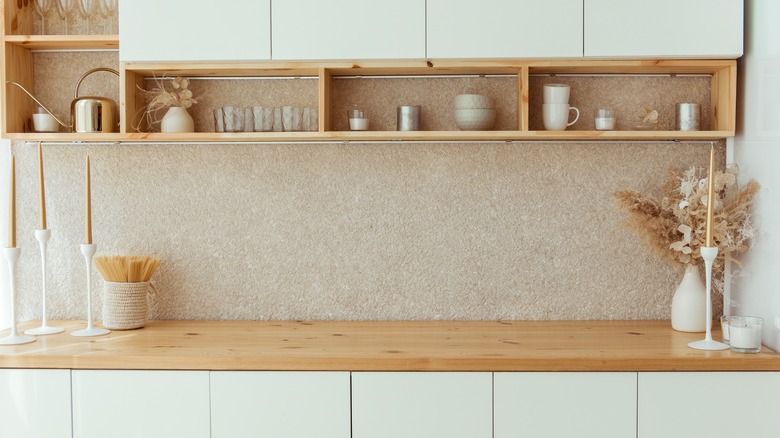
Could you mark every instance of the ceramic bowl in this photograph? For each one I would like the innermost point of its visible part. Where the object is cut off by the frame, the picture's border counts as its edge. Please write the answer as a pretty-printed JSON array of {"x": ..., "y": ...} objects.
[
  {"x": 469, "y": 101},
  {"x": 475, "y": 119}
]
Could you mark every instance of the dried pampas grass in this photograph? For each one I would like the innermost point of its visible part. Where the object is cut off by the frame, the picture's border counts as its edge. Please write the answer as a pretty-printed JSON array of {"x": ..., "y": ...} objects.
[{"x": 674, "y": 225}]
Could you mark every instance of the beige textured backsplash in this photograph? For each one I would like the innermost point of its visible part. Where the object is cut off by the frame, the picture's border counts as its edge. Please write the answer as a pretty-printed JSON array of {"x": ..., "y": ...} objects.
[
  {"x": 356, "y": 231},
  {"x": 362, "y": 231}
]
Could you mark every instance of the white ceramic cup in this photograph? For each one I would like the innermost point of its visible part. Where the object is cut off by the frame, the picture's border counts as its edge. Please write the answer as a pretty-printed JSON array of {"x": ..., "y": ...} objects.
[
  {"x": 43, "y": 122},
  {"x": 556, "y": 93},
  {"x": 556, "y": 116}
]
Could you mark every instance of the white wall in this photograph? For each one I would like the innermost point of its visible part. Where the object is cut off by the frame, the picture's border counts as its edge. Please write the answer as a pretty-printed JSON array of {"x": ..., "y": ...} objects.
[{"x": 755, "y": 287}]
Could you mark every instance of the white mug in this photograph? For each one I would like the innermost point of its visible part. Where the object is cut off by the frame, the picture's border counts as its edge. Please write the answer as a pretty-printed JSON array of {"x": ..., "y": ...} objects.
[
  {"x": 556, "y": 116},
  {"x": 556, "y": 93}
]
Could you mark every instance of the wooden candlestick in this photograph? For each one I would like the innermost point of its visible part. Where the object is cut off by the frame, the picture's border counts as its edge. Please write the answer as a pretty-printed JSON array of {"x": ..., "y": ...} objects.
[
  {"x": 88, "y": 209},
  {"x": 12, "y": 205},
  {"x": 42, "y": 191},
  {"x": 710, "y": 238}
]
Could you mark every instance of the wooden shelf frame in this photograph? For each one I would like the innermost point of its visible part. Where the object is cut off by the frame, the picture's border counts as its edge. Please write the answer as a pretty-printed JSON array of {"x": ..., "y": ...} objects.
[{"x": 17, "y": 54}]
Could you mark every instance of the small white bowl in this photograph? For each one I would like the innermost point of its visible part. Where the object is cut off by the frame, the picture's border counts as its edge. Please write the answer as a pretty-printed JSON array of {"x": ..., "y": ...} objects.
[
  {"x": 470, "y": 101},
  {"x": 475, "y": 119}
]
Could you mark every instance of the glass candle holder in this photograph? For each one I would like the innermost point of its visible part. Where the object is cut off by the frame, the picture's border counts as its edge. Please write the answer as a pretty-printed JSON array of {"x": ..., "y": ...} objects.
[
  {"x": 745, "y": 334},
  {"x": 724, "y": 326},
  {"x": 605, "y": 119},
  {"x": 358, "y": 119}
]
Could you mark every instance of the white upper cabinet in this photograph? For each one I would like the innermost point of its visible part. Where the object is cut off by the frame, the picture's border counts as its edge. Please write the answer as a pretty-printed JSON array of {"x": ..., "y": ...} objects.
[
  {"x": 422, "y": 405},
  {"x": 730, "y": 404},
  {"x": 582, "y": 405},
  {"x": 35, "y": 403},
  {"x": 186, "y": 30},
  {"x": 289, "y": 404},
  {"x": 504, "y": 29},
  {"x": 664, "y": 28},
  {"x": 348, "y": 29}
]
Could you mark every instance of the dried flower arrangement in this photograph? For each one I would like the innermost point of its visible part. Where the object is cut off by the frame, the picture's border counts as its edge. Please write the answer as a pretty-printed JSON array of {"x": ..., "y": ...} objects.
[
  {"x": 674, "y": 226},
  {"x": 160, "y": 98}
]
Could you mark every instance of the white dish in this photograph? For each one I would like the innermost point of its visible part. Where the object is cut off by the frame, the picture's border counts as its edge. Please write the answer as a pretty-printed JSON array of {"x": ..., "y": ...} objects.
[
  {"x": 472, "y": 101},
  {"x": 472, "y": 119}
]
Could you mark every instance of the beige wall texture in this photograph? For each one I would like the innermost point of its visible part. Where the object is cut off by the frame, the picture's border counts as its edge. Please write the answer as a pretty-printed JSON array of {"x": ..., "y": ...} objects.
[
  {"x": 356, "y": 231},
  {"x": 524, "y": 230}
]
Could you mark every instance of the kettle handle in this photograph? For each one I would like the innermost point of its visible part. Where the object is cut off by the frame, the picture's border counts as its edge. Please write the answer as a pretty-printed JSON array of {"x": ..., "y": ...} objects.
[{"x": 110, "y": 70}]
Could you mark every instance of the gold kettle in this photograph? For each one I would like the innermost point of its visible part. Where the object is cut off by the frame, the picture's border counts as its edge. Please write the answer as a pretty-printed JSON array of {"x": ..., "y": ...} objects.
[{"x": 87, "y": 113}]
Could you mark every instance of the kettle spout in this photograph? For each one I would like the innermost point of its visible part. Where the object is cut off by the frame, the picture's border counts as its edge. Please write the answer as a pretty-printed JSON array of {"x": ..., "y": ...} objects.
[{"x": 40, "y": 104}]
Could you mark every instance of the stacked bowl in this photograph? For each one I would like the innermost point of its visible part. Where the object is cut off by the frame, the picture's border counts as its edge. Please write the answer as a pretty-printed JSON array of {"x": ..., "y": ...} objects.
[{"x": 474, "y": 112}]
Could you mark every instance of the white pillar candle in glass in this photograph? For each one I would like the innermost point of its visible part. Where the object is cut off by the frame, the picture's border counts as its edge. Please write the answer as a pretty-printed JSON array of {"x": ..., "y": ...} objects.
[{"x": 745, "y": 334}]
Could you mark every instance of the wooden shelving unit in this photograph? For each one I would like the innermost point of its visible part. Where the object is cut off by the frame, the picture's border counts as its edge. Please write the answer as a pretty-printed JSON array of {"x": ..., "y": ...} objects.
[{"x": 19, "y": 67}]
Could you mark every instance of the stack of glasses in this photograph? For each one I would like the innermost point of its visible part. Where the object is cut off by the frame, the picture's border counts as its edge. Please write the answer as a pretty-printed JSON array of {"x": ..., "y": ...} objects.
[{"x": 265, "y": 119}]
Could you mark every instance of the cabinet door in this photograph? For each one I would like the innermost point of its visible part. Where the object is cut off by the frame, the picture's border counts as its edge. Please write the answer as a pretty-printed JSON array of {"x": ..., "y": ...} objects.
[
  {"x": 584, "y": 405},
  {"x": 149, "y": 404},
  {"x": 727, "y": 404},
  {"x": 35, "y": 403},
  {"x": 504, "y": 29},
  {"x": 664, "y": 28},
  {"x": 183, "y": 30},
  {"x": 348, "y": 29},
  {"x": 280, "y": 404},
  {"x": 422, "y": 405}
]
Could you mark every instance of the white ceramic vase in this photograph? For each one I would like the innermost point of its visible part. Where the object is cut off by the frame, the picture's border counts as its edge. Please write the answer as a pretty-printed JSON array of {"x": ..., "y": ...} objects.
[
  {"x": 177, "y": 119},
  {"x": 689, "y": 302}
]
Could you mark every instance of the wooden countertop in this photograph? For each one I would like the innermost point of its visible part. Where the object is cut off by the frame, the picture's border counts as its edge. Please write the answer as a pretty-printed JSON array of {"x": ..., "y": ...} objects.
[{"x": 384, "y": 346}]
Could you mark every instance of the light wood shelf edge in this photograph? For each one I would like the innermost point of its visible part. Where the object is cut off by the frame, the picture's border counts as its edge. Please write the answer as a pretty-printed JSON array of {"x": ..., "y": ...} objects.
[
  {"x": 64, "y": 42},
  {"x": 374, "y": 136}
]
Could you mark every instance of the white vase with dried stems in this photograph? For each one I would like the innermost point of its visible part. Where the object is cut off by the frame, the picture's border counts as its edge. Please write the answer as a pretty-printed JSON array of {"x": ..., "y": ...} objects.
[
  {"x": 688, "y": 302},
  {"x": 175, "y": 98},
  {"x": 673, "y": 226},
  {"x": 127, "y": 289}
]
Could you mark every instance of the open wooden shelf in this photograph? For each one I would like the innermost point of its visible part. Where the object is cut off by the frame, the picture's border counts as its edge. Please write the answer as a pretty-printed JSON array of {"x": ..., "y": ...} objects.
[{"x": 18, "y": 65}]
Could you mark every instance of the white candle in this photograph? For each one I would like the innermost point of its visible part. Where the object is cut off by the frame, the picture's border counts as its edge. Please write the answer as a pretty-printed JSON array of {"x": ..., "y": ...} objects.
[
  {"x": 605, "y": 123},
  {"x": 358, "y": 124},
  {"x": 747, "y": 337}
]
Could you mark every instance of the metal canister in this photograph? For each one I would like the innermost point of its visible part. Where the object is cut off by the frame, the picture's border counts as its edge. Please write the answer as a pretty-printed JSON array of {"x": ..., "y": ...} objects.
[
  {"x": 688, "y": 117},
  {"x": 408, "y": 118}
]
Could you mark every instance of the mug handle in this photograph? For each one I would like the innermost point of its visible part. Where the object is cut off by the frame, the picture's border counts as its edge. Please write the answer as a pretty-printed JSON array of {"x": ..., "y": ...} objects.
[{"x": 576, "y": 117}]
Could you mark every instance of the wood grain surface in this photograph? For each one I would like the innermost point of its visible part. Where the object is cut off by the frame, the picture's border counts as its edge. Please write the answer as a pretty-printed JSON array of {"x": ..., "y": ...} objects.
[{"x": 384, "y": 345}]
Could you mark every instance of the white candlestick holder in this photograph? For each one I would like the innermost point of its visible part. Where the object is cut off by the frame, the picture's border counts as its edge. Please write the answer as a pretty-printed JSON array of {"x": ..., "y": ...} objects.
[
  {"x": 43, "y": 236},
  {"x": 14, "y": 338},
  {"x": 89, "y": 251},
  {"x": 708, "y": 253}
]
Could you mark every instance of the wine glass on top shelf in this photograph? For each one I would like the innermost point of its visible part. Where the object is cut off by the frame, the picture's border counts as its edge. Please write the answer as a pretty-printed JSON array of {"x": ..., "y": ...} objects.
[
  {"x": 42, "y": 8},
  {"x": 85, "y": 11},
  {"x": 64, "y": 8},
  {"x": 108, "y": 9}
]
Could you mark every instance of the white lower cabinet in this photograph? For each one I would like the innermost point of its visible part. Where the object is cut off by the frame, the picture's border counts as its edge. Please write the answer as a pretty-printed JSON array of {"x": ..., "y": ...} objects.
[
  {"x": 35, "y": 403},
  {"x": 422, "y": 405},
  {"x": 133, "y": 404},
  {"x": 565, "y": 404},
  {"x": 285, "y": 404},
  {"x": 711, "y": 404}
]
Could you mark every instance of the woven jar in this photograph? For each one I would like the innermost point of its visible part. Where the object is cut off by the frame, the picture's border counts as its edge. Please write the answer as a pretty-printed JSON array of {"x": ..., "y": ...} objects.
[{"x": 125, "y": 305}]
